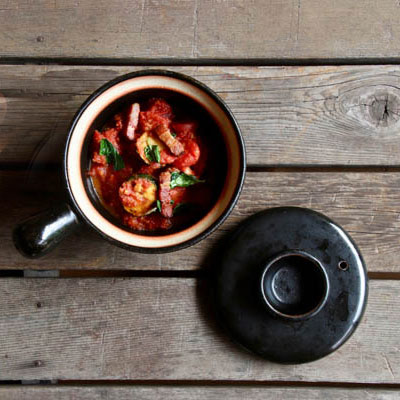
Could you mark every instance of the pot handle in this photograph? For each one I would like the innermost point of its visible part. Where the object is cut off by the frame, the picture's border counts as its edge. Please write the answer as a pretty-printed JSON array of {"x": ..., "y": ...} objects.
[{"x": 41, "y": 233}]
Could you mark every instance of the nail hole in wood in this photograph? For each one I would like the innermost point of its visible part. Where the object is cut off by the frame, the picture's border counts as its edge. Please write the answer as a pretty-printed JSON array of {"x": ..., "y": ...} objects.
[
  {"x": 343, "y": 265},
  {"x": 38, "y": 363},
  {"x": 38, "y": 304}
]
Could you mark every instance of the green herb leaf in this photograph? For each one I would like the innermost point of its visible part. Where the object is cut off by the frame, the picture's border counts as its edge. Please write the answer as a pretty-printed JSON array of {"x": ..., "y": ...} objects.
[
  {"x": 113, "y": 157},
  {"x": 171, "y": 202},
  {"x": 118, "y": 162},
  {"x": 173, "y": 134},
  {"x": 180, "y": 179},
  {"x": 106, "y": 149},
  {"x": 180, "y": 208},
  {"x": 152, "y": 153},
  {"x": 159, "y": 205}
]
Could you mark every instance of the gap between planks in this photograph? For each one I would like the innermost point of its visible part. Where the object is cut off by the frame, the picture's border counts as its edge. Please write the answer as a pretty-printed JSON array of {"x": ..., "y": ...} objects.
[
  {"x": 98, "y": 273},
  {"x": 201, "y": 62},
  {"x": 202, "y": 383}
]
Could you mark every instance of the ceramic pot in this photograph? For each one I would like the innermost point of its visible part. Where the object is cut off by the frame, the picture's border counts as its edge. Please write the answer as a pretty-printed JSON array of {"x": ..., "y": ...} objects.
[{"x": 39, "y": 234}]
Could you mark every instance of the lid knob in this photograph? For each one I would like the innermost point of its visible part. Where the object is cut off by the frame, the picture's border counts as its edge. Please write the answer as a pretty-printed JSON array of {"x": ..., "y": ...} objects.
[{"x": 294, "y": 285}]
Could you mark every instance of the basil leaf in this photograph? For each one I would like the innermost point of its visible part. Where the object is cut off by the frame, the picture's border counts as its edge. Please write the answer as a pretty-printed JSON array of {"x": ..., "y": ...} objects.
[
  {"x": 173, "y": 134},
  {"x": 112, "y": 156},
  {"x": 159, "y": 205},
  {"x": 106, "y": 149},
  {"x": 118, "y": 161},
  {"x": 180, "y": 179},
  {"x": 152, "y": 153}
]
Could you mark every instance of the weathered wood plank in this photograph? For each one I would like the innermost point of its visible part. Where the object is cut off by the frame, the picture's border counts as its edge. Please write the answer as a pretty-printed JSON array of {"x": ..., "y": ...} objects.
[
  {"x": 192, "y": 393},
  {"x": 192, "y": 29},
  {"x": 365, "y": 204},
  {"x": 148, "y": 328},
  {"x": 289, "y": 115}
]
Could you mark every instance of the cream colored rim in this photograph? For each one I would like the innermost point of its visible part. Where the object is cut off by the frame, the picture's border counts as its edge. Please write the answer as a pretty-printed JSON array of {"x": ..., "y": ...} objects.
[{"x": 81, "y": 129}]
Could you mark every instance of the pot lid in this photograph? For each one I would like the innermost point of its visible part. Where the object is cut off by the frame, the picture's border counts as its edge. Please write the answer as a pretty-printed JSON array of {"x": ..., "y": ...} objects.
[{"x": 291, "y": 286}]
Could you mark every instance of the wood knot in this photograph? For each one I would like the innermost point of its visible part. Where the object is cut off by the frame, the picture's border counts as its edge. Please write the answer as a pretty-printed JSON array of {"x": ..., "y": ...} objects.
[
  {"x": 38, "y": 363},
  {"x": 381, "y": 109},
  {"x": 373, "y": 106}
]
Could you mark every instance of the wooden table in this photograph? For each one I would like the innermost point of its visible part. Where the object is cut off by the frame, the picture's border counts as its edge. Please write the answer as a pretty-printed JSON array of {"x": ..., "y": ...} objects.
[{"x": 315, "y": 86}]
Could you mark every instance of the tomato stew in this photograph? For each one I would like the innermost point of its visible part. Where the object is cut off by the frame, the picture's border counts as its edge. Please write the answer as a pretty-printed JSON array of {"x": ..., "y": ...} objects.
[{"x": 158, "y": 163}]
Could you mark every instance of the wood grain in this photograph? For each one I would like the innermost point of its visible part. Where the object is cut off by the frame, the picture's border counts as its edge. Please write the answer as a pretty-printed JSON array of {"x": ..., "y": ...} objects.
[
  {"x": 192, "y": 393},
  {"x": 365, "y": 204},
  {"x": 197, "y": 30},
  {"x": 342, "y": 116},
  {"x": 164, "y": 329}
]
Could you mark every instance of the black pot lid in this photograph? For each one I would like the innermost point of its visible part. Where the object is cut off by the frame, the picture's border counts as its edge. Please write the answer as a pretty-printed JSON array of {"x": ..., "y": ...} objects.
[{"x": 291, "y": 286}]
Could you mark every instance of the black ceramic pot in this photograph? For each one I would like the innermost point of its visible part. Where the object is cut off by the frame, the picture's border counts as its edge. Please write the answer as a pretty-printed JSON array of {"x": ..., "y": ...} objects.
[
  {"x": 291, "y": 285},
  {"x": 39, "y": 234}
]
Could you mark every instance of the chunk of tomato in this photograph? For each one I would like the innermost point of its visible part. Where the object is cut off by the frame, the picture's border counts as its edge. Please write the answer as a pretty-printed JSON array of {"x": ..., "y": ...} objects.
[
  {"x": 149, "y": 120},
  {"x": 190, "y": 157},
  {"x": 150, "y": 222},
  {"x": 185, "y": 129},
  {"x": 160, "y": 107}
]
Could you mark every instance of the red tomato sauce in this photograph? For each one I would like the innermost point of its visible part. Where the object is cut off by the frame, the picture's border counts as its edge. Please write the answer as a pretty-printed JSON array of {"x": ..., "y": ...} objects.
[{"x": 151, "y": 169}]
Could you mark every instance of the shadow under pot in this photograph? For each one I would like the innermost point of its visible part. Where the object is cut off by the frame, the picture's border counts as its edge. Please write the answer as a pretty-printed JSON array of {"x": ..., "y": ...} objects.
[
  {"x": 291, "y": 286},
  {"x": 39, "y": 234}
]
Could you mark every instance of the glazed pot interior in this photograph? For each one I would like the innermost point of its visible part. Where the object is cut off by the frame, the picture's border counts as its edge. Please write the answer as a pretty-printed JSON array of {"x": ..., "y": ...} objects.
[{"x": 111, "y": 100}]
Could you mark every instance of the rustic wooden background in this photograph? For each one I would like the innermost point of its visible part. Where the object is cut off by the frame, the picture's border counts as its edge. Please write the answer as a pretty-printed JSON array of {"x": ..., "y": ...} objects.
[{"x": 315, "y": 86}]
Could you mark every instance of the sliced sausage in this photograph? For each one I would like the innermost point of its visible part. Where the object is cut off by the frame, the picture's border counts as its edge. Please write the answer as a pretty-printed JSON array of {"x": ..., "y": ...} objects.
[
  {"x": 132, "y": 121},
  {"x": 174, "y": 145},
  {"x": 165, "y": 194}
]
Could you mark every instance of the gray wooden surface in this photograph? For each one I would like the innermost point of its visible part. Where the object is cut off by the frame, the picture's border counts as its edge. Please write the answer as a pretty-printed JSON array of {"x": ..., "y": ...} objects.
[
  {"x": 325, "y": 137},
  {"x": 197, "y": 30},
  {"x": 193, "y": 393},
  {"x": 365, "y": 204},
  {"x": 164, "y": 329},
  {"x": 289, "y": 115}
]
